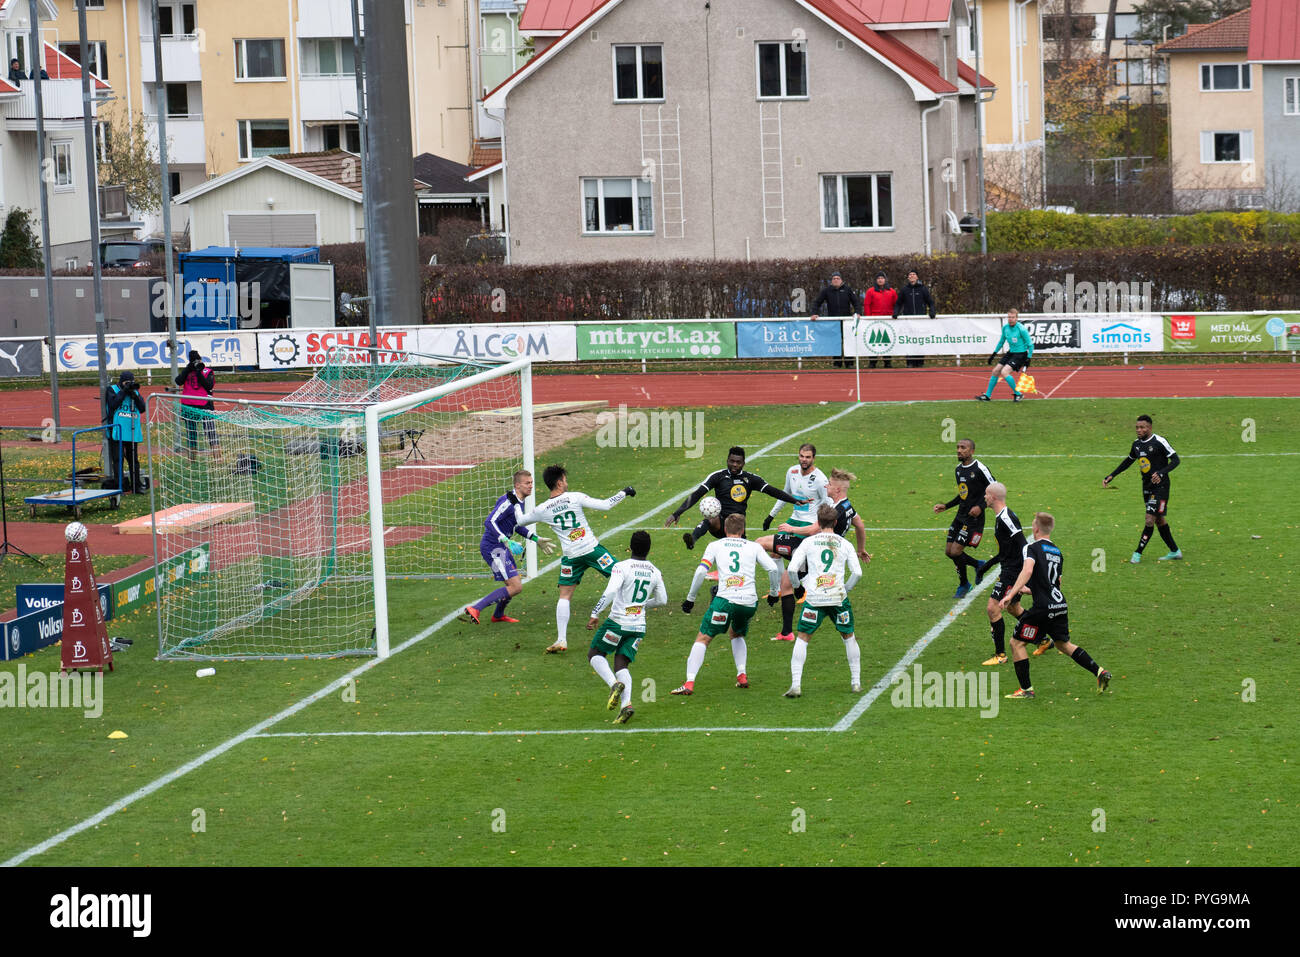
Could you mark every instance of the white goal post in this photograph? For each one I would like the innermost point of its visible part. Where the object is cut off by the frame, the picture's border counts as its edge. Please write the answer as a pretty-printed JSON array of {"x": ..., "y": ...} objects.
[{"x": 375, "y": 414}]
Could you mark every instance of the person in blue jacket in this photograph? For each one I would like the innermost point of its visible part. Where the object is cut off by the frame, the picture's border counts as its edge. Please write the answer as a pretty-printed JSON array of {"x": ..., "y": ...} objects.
[
  {"x": 122, "y": 409},
  {"x": 1020, "y": 349}
]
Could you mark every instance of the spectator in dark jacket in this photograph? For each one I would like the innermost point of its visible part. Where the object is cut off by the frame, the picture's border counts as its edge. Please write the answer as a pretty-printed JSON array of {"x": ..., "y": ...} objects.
[
  {"x": 880, "y": 300},
  {"x": 914, "y": 299},
  {"x": 837, "y": 300},
  {"x": 15, "y": 72}
]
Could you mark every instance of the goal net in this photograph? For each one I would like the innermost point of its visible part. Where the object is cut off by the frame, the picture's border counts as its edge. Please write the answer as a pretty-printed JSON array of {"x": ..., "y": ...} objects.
[{"x": 277, "y": 524}]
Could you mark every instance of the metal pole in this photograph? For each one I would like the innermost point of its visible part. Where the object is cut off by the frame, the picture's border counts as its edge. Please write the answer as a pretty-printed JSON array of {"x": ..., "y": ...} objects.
[
  {"x": 34, "y": 65},
  {"x": 160, "y": 101},
  {"x": 357, "y": 56},
  {"x": 92, "y": 202},
  {"x": 394, "y": 271}
]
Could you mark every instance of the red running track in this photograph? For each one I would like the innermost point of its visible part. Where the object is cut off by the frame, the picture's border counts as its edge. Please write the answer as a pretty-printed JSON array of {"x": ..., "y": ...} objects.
[{"x": 80, "y": 405}]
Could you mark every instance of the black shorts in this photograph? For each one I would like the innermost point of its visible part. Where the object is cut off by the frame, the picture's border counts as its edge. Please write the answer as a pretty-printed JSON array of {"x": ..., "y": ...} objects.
[
  {"x": 1003, "y": 586},
  {"x": 1156, "y": 500},
  {"x": 784, "y": 543},
  {"x": 1017, "y": 360},
  {"x": 967, "y": 530},
  {"x": 1038, "y": 624}
]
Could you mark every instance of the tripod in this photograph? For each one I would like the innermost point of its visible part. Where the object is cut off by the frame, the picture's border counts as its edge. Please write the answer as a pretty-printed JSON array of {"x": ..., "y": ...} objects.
[{"x": 6, "y": 547}]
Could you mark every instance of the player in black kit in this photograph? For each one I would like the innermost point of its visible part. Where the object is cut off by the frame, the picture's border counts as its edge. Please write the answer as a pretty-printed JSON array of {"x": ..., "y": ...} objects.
[
  {"x": 1156, "y": 458},
  {"x": 733, "y": 486},
  {"x": 968, "y": 527},
  {"x": 1011, "y": 546},
  {"x": 1048, "y": 619}
]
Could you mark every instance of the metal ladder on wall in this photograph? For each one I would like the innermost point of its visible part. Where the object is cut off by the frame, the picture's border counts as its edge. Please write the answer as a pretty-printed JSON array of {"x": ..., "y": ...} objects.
[
  {"x": 773, "y": 166},
  {"x": 662, "y": 139}
]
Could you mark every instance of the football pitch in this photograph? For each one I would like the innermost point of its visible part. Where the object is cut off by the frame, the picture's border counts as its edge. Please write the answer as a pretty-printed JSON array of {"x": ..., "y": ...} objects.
[{"x": 471, "y": 746}]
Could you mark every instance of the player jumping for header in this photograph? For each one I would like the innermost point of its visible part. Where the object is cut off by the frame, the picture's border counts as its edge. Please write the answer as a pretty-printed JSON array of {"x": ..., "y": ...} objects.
[
  {"x": 1048, "y": 619},
  {"x": 499, "y": 549},
  {"x": 1156, "y": 458},
  {"x": 967, "y": 528},
  {"x": 805, "y": 481},
  {"x": 634, "y": 586},
  {"x": 579, "y": 549},
  {"x": 733, "y": 486},
  {"x": 818, "y": 564},
  {"x": 735, "y": 559}
]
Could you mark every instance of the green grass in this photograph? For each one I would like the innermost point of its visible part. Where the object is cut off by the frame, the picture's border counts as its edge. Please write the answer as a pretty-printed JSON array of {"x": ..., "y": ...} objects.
[{"x": 1183, "y": 768}]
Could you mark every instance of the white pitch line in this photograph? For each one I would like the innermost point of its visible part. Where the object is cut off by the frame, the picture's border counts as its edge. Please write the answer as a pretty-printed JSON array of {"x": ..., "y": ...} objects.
[
  {"x": 1062, "y": 382},
  {"x": 913, "y": 653},
  {"x": 530, "y": 733},
  {"x": 1039, "y": 455},
  {"x": 937, "y": 528},
  {"x": 198, "y": 762}
]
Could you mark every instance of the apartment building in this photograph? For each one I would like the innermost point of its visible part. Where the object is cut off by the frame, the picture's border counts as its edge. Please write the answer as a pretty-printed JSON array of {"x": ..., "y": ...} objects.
[
  {"x": 1076, "y": 29},
  {"x": 246, "y": 79},
  {"x": 1010, "y": 53}
]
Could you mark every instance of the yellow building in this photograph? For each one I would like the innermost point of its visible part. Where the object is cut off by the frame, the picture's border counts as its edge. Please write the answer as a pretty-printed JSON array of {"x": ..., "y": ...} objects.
[
  {"x": 253, "y": 78},
  {"x": 1010, "y": 48}
]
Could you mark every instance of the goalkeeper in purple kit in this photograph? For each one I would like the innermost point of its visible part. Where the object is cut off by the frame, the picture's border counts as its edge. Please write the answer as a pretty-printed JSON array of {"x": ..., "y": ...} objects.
[{"x": 499, "y": 550}]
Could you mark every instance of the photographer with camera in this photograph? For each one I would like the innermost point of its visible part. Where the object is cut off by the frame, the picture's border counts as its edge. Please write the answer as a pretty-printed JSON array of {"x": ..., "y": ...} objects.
[
  {"x": 122, "y": 410},
  {"x": 197, "y": 382}
]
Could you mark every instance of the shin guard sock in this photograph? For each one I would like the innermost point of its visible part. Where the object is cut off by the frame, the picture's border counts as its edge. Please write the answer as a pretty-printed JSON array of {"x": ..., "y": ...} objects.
[
  {"x": 624, "y": 676},
  {"x": 601, "y": 667},
  {"x": 787, "y": 614},
  {"x": 1022, "y": 673},
  {"x": 562, "y": 620},
  {"x": 1084, "y": 660},
  {"x": 501, "y": 594},
  {"x": 999, "y": 629},
  {"x": 1168, "y": 535},
  {"x": 855, "y": 658},
  {"x": 695, "y": 661},
  {"x": 1146, "y": 537},
  {"x": 797, "y": 657}
]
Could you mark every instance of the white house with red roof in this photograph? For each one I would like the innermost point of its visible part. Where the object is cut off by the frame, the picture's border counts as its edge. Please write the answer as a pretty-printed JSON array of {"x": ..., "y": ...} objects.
[
  {"x": 64, "y": 162},
  {"x": 736, "y": 129}
]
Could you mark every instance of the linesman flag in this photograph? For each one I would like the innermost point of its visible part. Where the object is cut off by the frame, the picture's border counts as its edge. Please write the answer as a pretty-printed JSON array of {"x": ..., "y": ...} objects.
[{"x": 1026, "y": 384}]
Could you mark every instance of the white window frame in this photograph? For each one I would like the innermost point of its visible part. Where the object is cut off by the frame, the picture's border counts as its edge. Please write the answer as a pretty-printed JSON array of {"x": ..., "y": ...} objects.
[
  {"x": 94, "y": 4},
  {"x": 241, "y": 60},
  {"x": 245, "y": 135},
  {"x": 1243, "y": 74},
  {"x": 640, "y": 75},
  {"x": 177, "y": 8},
  {"x": 103, "y": 130},
  {"x": 1291, "y": 96},
  {"x": 315, "y": 42},
  {"x": 98, "y": 50},
  {"x": 785, "y": 83},
  {"x": 842, "y": 202},
  {"x": 64, "y": 147},
  {"x": 639, "y": 183},
  {"x": 1247, "y": 141}
]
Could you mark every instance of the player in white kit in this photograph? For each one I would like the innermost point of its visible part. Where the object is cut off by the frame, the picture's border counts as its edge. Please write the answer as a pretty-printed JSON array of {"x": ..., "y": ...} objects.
[
  {"x": 736, "y": 560},
  {"x": 805, "y": 482},
  {"x": 818, "y": 569},
  {"x": 579, "y": 549},
  {"x": 634, "y": 586}
]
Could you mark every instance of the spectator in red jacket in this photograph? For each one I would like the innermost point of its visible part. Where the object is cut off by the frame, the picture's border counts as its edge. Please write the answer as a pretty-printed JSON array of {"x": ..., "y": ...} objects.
[{"x": 880, "y": 300}]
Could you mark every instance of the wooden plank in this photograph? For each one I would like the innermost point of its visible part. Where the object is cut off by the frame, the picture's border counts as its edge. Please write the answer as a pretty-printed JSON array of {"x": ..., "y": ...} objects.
[
  {"x": 186, "y": 518},
  {"x": 543, "y": 410}
]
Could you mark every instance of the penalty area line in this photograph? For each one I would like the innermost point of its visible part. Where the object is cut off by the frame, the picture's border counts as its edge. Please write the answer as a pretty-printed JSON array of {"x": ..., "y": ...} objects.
[
  {"x": 533, "y": 732},
  {"x": 913, "y": 653},
  {"x": 338, "y": 684}
]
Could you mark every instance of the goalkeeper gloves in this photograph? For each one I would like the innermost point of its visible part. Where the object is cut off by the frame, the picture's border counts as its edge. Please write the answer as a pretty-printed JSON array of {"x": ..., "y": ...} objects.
[
  {"x": 799, "y": 592},
  {"x": 772, "y": 600},
  {"x": 767, "y": 523},
  {"x": 546, "y": 545},
  {"x": 992, "y": 357},
  {"x": 688, "y": 604},
  {"x": 515, "y": 548},
  {"x": 630, "y": 492}
]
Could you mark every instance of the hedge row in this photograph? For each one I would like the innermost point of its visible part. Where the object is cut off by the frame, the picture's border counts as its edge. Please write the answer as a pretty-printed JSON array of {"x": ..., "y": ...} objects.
[
  {"x": 1181, "y": 278},
  {"x": 1036, "y": 229}
]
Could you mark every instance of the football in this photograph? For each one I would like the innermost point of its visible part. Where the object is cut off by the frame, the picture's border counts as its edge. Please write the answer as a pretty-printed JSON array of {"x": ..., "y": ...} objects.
[
  {"x": 75, "y": 532},
  {"x": 710, "y": 507}
]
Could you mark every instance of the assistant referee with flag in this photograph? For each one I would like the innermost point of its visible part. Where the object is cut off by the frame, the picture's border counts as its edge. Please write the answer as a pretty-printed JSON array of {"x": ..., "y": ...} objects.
[{"x": 1020, "y": 349}]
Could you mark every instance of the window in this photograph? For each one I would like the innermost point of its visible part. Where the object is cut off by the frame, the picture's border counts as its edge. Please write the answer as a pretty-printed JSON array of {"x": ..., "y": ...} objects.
[
  {"x": 1082, "y": 27},
  {"x": 617, "y": 206},
  {"x": 857, "y": 201},
  {"x": 638, "y": 72},
  {"x": 259, "y": 59},
  {"x": 1291, "y": 95},
  {"x": 329, "y": 57},
  {"x": 178, "y": 100},
  {"x": 176, "y": 20},
  {"x": 1126, "y": 24},
  {"x": 1217, "y": 77},
  {"x": 174, "y": 182},
  {"x": 1228, "y": 146},
  {"x": 94, "y": 4},
  {"x": 345, "y": 136},
  {"x": 98, "y": 51},
  {"x": 61, "y": 164},
  {"x": 1130, "y": 72},
  {"x": 782, "y": 70},
  {"x": 259, "y": 138}
]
